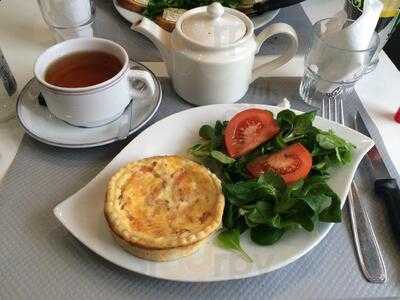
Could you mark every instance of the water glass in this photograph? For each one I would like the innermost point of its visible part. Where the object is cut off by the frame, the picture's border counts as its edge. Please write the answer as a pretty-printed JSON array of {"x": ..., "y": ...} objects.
[
  {"x": 8, "y": 90},
  {"x": 388, "y": 21},
  {"x": 331, "y": 72},
  {"x": 69, "y": 18}
]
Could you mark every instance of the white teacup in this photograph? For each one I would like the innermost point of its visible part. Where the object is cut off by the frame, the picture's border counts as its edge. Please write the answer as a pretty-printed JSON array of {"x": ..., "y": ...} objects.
[{"x": 94, "y": 105}]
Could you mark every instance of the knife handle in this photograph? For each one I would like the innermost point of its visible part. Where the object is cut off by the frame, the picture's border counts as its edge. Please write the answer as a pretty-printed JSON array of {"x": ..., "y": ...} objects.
[
  {"x": 390, "y": 192},
  {"x": 367, "y": 248}
]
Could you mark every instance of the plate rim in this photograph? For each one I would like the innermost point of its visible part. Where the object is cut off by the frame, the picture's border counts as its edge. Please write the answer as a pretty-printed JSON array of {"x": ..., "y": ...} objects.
[
  {"x": 327, "y": 227},
  {"x": 257, "y": 24},
  {"x": 84, "y": 145}
]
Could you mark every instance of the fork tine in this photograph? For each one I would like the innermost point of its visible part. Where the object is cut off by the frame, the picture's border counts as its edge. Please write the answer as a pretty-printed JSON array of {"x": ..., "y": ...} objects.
[
  {"x": 336, "y": 104},
  {"x": 341, "y": 111},
  {"x": 329, "y": 108}
]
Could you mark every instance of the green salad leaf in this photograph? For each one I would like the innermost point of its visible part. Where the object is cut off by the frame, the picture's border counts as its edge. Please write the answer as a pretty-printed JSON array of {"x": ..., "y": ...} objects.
[
  {"x": 156, "y": 7},
  {"x": 221, "y": 157},
  {"x": 266, "y": 235},
  {"x": 230, "y": 239},
  {"x": 266, "y": 206}
]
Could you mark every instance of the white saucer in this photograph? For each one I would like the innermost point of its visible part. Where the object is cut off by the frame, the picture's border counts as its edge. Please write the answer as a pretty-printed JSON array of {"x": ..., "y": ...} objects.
[
  {"x": 40, "y": 124},
  {"x": 258, "y": 21}
]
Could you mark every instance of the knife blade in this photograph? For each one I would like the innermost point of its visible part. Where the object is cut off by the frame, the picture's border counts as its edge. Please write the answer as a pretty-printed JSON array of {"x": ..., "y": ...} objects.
[{"x": 386, "y": 187}]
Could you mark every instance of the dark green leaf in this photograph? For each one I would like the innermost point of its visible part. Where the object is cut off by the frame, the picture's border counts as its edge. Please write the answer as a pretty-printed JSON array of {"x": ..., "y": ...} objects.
[
  {"x": 279, "y": 142},
  {"x": 332, "y": 213},
  {"x": 320, "y": 166},
  {"x": 295, "y": 188},
  {"x": 263, "y": 213},
  {"x": 272, "y": 178},
  {"x": 317, "y": 202},
  {"x": 285, "y": 117},
  {"x": 230, "y": 240},
  {"x": 206, "y": 132},
  {"x": 241, "y": 190},
  {"x": 221, "y": 157},
  {"x": 265, "y": 235},
  {"x": 220, "y": 127},
  {"x": 200, "y": 150},
  {"x": 326, "y": 141},
  {"x": 156, "y": 7},
  {"x": 303, "y": 123},
  {"x": 285, "y": 203},
  {"x": 236, "y": 171},
  {"x": 231, "y": 214},
  {"x": 303, "y": 220}
]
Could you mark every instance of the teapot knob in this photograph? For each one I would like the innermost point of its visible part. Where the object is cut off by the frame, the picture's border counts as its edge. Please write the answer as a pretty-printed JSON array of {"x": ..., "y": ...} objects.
[{"x": 215, "y": 10}]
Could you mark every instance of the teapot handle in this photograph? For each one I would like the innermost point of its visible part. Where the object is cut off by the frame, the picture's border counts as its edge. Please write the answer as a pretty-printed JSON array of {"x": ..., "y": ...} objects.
[{"x": 277, "y": 28}]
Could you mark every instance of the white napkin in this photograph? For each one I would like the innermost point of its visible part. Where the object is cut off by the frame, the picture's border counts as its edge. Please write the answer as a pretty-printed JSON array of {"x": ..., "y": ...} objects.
[
  {"x": 69, "y": 12},
  {"x": 332, "y": 66}
]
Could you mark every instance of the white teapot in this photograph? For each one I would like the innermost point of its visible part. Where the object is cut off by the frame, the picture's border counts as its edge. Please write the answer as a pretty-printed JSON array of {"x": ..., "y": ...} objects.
[{"x": 210, "y": 53}]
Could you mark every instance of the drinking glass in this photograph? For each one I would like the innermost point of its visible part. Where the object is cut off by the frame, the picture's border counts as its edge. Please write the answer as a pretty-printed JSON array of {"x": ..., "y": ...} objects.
[
  {"x": 8, "y": 90},
  {"x": 387, "y": 23},
  {"x": 69, "y": 18},
  {"x": 331, "y": 72}
]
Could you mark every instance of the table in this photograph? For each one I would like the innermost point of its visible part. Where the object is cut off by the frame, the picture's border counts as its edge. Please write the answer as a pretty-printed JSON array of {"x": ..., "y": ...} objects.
[{"x": 74, "y": 272}]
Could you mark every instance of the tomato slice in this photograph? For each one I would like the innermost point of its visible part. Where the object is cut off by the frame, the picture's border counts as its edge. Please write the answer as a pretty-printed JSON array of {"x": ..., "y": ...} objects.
[
  {"x": 249, "y": 129},
  {"x": 292, "y": 163}
]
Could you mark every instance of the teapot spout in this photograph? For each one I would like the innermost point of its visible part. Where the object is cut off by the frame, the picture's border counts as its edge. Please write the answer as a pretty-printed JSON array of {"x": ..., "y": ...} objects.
[{"x": 159, "y": 36}]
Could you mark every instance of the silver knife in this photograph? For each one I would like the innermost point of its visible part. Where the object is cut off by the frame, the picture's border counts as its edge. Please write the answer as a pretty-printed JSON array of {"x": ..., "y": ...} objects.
[
  {"x": 367, "y": 248},
  {"x": 386, "y": 187}
]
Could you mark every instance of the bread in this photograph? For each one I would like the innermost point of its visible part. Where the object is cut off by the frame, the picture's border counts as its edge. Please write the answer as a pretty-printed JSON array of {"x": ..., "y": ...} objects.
[
  {"x": 169, "y": 18},
  {"x": 134, "y": 5},
  {"x": 162, "y": 208}
]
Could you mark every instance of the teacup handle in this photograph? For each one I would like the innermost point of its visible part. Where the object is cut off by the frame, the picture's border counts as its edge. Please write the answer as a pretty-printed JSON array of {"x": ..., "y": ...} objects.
[
  {"x": 146, "y": 78},
  {"x": 277, "y": 28}
]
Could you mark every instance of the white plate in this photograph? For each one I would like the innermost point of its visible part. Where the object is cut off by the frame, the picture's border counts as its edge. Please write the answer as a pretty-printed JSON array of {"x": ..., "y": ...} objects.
[
  {"x": 39, "y": 123},
  {"x": 82, "y": 213},
  {"x": 134, "y": 17}
]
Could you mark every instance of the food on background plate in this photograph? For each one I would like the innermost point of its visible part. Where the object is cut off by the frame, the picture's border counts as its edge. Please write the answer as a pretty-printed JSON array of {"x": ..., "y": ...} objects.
[
  {"x": 163, "y": 208},
  {"x": 134, "y": 5},
  {"x": 274, "y": 173},
  {"x": 167, "y": 12},
  {"x": 169, "y": 17}
]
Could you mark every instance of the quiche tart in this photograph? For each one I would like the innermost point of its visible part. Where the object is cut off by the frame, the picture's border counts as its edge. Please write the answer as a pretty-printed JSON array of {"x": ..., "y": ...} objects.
[{"x": 162, "y": 208}]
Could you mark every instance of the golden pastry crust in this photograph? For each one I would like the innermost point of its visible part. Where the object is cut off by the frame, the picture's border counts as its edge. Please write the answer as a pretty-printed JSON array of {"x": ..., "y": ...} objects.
[
  {"x": 166, "y": 254},
  {"x": 164, "y": 202}
]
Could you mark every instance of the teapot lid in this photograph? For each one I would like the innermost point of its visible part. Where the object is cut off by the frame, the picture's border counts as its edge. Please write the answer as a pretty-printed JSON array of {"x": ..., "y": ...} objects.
[{"x": 214, "y": 26}]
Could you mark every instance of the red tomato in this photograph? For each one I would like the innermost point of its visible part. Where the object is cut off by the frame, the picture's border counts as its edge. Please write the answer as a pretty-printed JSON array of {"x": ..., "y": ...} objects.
[
  {"x": 249, "y": 129},
  {"x": 292, "y": 163}
]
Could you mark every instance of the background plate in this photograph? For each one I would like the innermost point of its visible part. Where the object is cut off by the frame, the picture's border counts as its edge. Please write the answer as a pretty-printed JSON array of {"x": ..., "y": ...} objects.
[
  {"x": 82, "y": 213},
  {"x": 258, "y": 21}
]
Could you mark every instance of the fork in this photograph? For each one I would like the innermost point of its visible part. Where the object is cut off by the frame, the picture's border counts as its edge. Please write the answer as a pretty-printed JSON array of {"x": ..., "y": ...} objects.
[{"x": 367, "y": 248}]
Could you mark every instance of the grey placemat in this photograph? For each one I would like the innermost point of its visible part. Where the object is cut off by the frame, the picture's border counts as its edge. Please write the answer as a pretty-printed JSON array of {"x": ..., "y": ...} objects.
[{"x": 39, "y": 259}]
